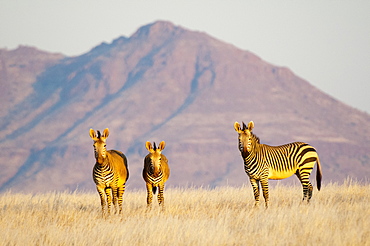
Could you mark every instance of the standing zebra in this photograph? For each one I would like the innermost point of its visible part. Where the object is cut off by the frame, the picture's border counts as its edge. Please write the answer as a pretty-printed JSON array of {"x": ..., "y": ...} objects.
[
  {"x": 155, "y": 172},
  {"x": 263, "y": 162},
  {"x": 110, "y": 172}
]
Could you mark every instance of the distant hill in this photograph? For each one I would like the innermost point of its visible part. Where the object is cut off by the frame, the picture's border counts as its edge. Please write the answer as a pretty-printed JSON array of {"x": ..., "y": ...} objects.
[
  {"x": 19, "y": 70},
  {"x": 163, "y": 83}
]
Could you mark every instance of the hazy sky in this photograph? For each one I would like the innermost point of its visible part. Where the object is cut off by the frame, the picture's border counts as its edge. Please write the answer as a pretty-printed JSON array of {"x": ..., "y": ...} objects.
[{"x": 325, "y": 42}]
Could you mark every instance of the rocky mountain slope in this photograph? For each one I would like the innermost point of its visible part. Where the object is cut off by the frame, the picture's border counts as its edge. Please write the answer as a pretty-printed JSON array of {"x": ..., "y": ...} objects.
[{"x": 163, "y": 83}]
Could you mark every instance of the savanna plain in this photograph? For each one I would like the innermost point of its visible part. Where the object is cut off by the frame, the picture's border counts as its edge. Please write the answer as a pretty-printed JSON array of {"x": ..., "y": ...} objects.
[{"x": 337, "y": 215}]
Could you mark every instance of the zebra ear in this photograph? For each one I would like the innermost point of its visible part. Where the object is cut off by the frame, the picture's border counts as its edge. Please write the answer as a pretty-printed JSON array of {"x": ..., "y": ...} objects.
[
  {"x": 237, "y": 126},
  {"x": 250, "y": 125},
  {"x": 105, "y": 133},
  {"x": 149, "y": 147},
  {"x": 93, "y": 134},
  {"x": 161, "y": 145}
]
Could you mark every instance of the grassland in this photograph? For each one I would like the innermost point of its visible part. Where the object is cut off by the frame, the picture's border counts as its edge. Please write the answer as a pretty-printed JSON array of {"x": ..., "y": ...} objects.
[{"x": 337, "y": 215}]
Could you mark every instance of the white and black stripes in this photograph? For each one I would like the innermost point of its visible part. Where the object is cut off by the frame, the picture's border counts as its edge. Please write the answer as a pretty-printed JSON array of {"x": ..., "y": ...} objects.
[
  {"x": 110, "y": 172},
  {"x": 154, "y": 179},
  {"x": 155, "y": 172},
  {"x": 104, "y": 174},
  {"x": 263, "y": 162}
]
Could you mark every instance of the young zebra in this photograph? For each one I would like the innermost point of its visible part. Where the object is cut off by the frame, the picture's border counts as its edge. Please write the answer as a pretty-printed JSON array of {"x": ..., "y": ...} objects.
[
  {"x": 110, "y": 172},
  {"x": 155, "y": 172},
  {"x": 263, "y": 162}
]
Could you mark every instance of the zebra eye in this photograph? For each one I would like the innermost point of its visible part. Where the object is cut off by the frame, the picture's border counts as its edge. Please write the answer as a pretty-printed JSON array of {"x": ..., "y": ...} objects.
[{"x": 105, "y": 145}]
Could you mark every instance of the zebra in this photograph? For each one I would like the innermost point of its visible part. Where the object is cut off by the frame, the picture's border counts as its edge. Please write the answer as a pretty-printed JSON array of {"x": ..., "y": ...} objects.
[
  {"x": 263, "y": 162},
  {"x": 110, "y": 172},
  {"x": 156, "y": 172}
]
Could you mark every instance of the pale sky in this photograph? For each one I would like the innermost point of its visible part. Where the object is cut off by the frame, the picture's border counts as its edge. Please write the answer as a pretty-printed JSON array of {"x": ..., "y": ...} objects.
[{"x": 326, "y": 42}]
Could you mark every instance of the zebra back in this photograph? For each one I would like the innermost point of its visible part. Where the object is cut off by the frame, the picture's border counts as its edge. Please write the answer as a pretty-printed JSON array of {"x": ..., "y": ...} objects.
[
  {"x": 284, "y": 160},
  {"x": 119, "y": 162}
]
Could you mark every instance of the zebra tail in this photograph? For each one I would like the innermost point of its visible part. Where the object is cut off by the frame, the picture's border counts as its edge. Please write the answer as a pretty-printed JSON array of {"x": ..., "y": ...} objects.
[
  {"x": 318, "y": 174},
  {"x": 154, "y": 189}
]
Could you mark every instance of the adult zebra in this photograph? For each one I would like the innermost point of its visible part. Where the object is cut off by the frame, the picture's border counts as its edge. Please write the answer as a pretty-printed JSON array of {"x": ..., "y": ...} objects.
[
  {"x": 156, "y": 172},
  {"x": 110, "y": 172},
  {"x": 263, "y": 162}
]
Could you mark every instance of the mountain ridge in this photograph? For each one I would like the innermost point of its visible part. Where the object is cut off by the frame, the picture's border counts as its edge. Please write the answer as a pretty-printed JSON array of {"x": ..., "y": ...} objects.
[{"x": 168, "y": 83}]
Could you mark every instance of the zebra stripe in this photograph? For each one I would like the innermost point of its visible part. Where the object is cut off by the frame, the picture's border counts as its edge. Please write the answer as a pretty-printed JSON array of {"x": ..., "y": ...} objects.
[
  {"x": 154, "y": 180},
  {"x": 110, "y": 172},
  {"x": 156, "y": 172},
  {"x": 263, "y": 162}
]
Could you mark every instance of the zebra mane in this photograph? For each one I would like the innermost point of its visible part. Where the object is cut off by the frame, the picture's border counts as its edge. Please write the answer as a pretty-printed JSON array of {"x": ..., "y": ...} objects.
[
  {"x": 154, "y": 146},
  {"x": 98, "y": 132},
  {"x": 257, "y": 139}
]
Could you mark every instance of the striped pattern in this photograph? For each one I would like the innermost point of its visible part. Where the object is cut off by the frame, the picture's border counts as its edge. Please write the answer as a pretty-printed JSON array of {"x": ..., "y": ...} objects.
[
  {"x": 263, "y": 162},
  {"x": 110, "y": 172},
  {"x": 156, "y": 172}
]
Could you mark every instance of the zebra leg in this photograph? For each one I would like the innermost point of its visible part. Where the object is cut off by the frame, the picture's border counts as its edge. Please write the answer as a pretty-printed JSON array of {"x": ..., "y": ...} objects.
[
  {"x": 149, "y": 198},
  {"x": 120, "y": 192},
  {"x": 307, "y": 186},
  {"x": 305, "y": 168},
  {"x": 265, "y": 189},
  {"x": 114, "y": 198},
  {"x": 256, "y": 191},
  {"x": 160, "y": 195},
  {"x": 102, "y": 198},
  {"x": 108, "y": 192},
  {"x": 310, "y": 189}
]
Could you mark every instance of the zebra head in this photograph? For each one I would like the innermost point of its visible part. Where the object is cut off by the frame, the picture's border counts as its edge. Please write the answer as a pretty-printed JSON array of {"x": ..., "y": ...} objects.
[
  {"x": 155, "y": 157},
  {"x": 99, "y": 144},
  {"x": 245, "y": 136}
]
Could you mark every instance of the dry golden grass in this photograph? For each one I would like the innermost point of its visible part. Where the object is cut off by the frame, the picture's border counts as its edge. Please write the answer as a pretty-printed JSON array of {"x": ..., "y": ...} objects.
[{"x": 337, "y": 215}]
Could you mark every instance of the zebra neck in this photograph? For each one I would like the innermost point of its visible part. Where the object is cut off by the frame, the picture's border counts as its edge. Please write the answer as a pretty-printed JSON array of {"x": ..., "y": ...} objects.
[
  {"x": 103, "y": 161},
  {"x": 255, "y": 144},
  {"x": 156, "y": 170},
  {"x": 154, "y": 177}
]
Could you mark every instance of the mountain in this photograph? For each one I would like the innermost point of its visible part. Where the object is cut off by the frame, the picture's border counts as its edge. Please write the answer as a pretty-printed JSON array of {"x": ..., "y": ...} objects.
[
  {"x": 19, "y": 69},
  {"x": 163, "y": 83}
]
